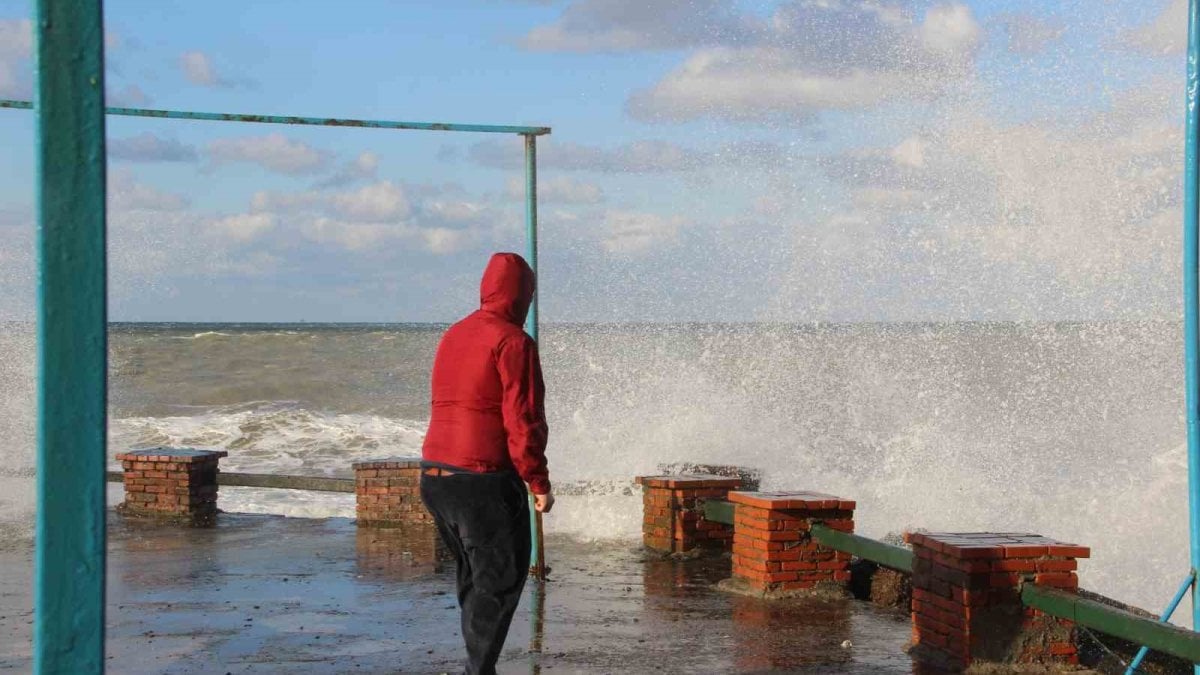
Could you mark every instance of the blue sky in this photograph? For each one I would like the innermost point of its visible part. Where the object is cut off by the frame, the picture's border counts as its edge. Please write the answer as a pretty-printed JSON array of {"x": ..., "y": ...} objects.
[{"x": 778, "y": 160}]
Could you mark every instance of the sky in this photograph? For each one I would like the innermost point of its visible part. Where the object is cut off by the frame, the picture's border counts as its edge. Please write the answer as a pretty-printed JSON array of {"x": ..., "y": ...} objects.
[{"x": 711, "y": 160}]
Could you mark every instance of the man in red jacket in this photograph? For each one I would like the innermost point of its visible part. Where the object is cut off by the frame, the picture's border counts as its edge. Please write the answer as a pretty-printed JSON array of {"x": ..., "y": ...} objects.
[{"x": 486, "y": 440}]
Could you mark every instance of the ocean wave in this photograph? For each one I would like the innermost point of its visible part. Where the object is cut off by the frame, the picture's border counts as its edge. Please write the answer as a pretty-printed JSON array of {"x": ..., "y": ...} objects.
[
  {"x": 276, "y": 437},
  {"x": 247, "y": 334},
  {"x": 201, "y": 336}
]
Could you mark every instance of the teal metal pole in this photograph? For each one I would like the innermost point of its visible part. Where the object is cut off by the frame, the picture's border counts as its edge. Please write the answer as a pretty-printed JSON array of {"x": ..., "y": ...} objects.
[
  {"x": 1191, "y": 295},
  {"x": 531, "y": 243},
  {"x": 72, "y": 341},
  {"x": 536, "y": 558}
]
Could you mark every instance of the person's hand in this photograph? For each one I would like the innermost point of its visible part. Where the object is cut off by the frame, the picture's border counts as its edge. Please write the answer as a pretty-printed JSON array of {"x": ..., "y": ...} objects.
[{"x": 543, "y": 503}]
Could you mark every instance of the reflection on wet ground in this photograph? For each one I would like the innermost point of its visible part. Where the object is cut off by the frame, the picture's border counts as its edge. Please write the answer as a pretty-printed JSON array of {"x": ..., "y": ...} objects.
[{"x": 269, "y": 594}]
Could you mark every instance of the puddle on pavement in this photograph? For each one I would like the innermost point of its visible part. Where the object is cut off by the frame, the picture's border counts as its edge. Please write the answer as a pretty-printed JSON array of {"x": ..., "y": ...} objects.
[{"x": 271, "y": 594}]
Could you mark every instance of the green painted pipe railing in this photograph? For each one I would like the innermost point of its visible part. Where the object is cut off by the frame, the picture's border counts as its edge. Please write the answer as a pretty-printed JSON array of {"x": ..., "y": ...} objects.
[
  {"x": 718, "y": 511},
  {"x": 895, "y": 557},
  {"x": 1163, "y": 637},
  {"x": 271, "y": 480},
  {"x": 888, "y": 555},
  {"x": 1119, "y": 623}
]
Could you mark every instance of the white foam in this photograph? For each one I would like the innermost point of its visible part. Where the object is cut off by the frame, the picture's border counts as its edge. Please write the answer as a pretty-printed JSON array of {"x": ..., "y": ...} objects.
[{"x": 276, "y": 437}]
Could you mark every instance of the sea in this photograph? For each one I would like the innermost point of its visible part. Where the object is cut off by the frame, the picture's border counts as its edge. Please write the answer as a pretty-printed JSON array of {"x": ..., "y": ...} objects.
[{"x": 1074, "y": 430}]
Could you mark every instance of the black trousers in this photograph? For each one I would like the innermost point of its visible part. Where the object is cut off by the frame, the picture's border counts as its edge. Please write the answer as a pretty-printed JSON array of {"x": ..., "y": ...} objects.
[{"x": 484, "y": 520}]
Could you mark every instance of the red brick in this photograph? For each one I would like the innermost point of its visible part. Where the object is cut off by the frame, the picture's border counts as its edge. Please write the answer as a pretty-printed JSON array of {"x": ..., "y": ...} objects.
[
  {"x": 1004, "y": 579},
  {"x": 1057, "y": 565},
  {"x": 1057, "y": 580},
  {"x": 1069, "y": 551},
  {"x": 759, "y": 544},
  {"x": 1024, "y": 551}
]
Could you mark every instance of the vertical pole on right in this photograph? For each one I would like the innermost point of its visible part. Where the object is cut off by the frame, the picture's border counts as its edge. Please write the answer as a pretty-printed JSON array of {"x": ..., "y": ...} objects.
[
  {"x": 72, "y": 325},
  {"x": 1191, "y": 293},
  {"x": 537, "y": 560}
]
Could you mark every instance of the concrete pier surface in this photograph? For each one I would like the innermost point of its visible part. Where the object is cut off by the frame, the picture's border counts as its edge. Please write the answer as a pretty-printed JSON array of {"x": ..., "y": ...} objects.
[{"x": 265, "y": 594}]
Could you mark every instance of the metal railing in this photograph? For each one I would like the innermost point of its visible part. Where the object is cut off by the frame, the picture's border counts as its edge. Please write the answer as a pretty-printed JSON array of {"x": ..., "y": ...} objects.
[
  {"x": 344, "y": 484},
  {"x": 1113, "y": 621},
  {"x": 1119, "y": 623},
  {"x": 271, "y": 480}
]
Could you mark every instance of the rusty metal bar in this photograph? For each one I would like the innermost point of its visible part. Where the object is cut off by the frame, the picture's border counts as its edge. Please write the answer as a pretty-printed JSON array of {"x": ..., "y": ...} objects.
[{"x": 307, "y": 121}]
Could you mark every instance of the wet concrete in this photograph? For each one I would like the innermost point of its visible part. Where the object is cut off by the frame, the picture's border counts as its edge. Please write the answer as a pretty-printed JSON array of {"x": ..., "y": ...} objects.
[{"x": 271, "y": 594}]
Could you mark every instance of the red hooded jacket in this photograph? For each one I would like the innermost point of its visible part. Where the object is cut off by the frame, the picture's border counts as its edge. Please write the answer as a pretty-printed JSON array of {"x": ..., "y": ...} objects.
[{"x": 488, "y": 395}]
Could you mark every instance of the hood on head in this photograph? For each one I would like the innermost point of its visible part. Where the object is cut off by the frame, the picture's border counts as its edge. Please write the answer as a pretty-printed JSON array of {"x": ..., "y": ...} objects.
[{"x": 507, "y": 287}]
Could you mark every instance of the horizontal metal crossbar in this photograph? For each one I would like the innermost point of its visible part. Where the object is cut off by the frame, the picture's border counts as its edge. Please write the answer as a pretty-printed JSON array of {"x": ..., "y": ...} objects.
[
  {"x": 269, "y": 480},
  {"x": 895, "y": 557},
  {"x": 307, "y": 121},
  {"x": 1163, "y": 637},
  {"x": 718, "y": 511},
  {"x": 330, "y": 484}
]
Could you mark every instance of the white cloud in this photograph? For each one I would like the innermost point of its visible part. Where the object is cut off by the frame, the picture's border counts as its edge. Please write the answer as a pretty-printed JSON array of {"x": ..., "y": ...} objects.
[
  {"x": 627, "y": 25},
  {"x": 274, "y": 152},
  {"x": 950, "y": 30},
  {"x": 256, "y": 264},
  {"x": 245, "y": 227},
  {"x": 632, "y": 232},
  {"x": 453, "y": 210},
  {"x": 910, "y": 152},
  {"x": 373, "y": 218},
  {"x": 198, "y": 69},
  {"x": 443, "y": 240},
  {"x": 759, "y": 84},
  {"x": 1165, "y": 35},
  {"x": 149, "y": 147},
  {"x": 352, "y": 236},
  {"x": 558, "y": 190},
  {"x": 361, "y": 168},
  {"x": 382, "y": 201},
  {"x": 125, "y": 193},
  {"x": 285, "y": 202},
  {"x": 646, "y": 156},
  {"x": 820, "y": 56},
  {"x": 1027, "y": 35}
]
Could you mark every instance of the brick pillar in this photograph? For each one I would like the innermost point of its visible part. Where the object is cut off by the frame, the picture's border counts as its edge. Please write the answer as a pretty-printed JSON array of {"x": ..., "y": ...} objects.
[
  {"x": 967, "y": 598},
  {"x": 388, "y": 492},
  {"x": 774, "y": 554},
  {"x": 171, "y": 482},
  {"x": 671, "y": 519}
]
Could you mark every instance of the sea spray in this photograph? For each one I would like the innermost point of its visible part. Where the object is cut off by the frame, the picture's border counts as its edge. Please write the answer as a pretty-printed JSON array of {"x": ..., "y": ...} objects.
[{"x": 17, "y": 432}]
